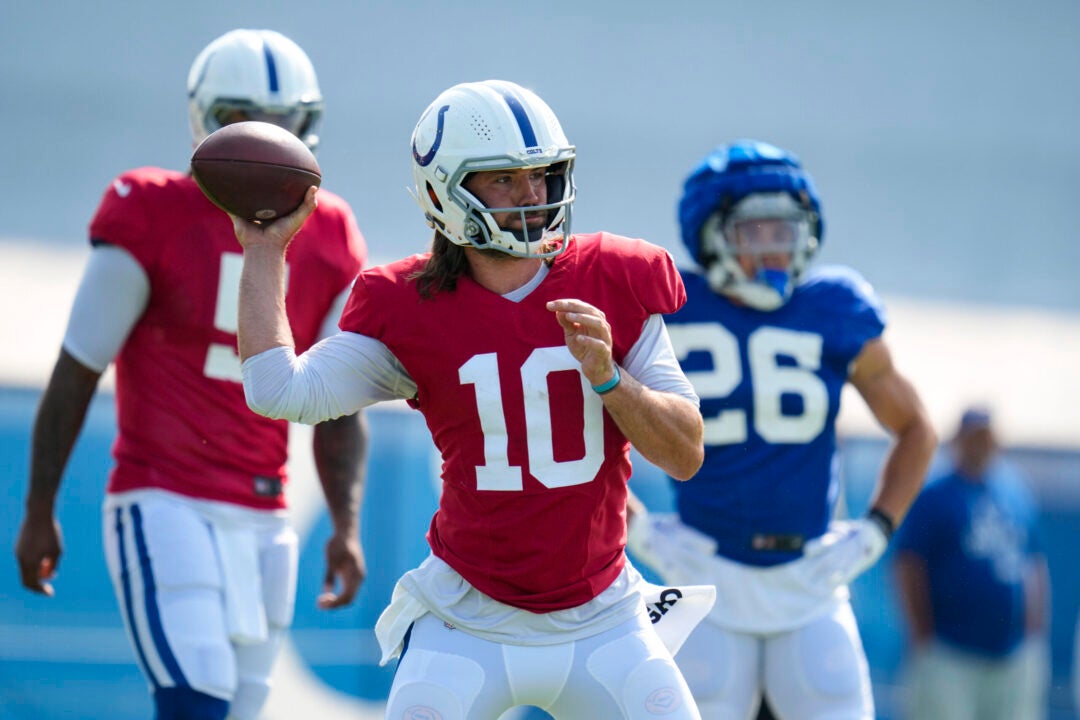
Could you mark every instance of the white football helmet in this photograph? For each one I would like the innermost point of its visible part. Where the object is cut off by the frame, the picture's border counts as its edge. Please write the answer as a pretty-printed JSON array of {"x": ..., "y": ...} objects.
[
  {"x": 254, "y": 75},
  {"x": 491, "y": 125}
]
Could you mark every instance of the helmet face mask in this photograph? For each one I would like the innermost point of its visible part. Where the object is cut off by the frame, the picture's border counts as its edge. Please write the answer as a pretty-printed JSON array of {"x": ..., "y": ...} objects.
[
  {"x": 483, "y": 127},
  {"x": 750, "y": 216},
  {"x": 757, "y": 251},
  {"x": 254, "y": 75},
  {"x": 482, "y": 227},
  {"x": 300, "y": 119}
]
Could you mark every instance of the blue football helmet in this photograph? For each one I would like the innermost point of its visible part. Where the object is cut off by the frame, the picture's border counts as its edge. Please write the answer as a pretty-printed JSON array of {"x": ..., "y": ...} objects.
[{"x": 726, "y": 203}]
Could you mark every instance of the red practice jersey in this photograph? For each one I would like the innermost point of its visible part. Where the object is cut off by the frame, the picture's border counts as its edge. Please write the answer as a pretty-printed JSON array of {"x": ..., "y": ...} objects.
[
  {"x": 184, "y": 425},
  {"x": 534, "y": 470}
]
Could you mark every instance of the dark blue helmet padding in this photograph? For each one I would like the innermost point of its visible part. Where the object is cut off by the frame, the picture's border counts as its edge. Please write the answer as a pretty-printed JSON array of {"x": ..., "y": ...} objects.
[{"x": 731, "y": 172}]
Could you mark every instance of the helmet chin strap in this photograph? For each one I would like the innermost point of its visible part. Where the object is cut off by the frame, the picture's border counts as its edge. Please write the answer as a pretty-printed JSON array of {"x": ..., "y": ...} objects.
[
  {"x": 768, "y": 290},
  {"x": 756, "y": 295}
]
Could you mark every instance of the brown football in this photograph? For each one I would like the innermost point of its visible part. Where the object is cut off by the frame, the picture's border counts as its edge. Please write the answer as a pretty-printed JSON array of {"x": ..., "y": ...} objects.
[{"x": 255, "y": 170}]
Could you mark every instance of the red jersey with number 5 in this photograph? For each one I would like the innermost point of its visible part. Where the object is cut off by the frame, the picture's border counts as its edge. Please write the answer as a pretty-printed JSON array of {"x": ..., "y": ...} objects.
[
  {"x": 534, "y": 470},
  {"x": 183, "y": 422}
]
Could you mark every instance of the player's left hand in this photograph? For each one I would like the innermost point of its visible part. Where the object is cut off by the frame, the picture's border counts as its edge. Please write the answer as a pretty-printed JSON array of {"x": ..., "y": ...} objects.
[
  {"x": 345, "y": 566},
  {"x": 588, "y": 336},
  {"x": 844, "y": 552},
  {"x": 38, "y": 550}
]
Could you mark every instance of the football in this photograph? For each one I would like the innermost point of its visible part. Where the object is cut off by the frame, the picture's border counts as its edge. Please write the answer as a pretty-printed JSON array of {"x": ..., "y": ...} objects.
[{"x": 255, "y": 170}]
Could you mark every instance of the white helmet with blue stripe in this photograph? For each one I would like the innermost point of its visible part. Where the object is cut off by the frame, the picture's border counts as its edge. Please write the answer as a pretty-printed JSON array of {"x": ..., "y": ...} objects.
[
  {"x": 254, "y": 75},
  {"x": 491, "y": 125}
]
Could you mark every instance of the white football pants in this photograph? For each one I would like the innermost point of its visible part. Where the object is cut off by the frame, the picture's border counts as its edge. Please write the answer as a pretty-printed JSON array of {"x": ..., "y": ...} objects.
[
  {"x": 816, "y": 672},
  {"x": 625, "y": 673},
  {"x": 164, "y": 557}
]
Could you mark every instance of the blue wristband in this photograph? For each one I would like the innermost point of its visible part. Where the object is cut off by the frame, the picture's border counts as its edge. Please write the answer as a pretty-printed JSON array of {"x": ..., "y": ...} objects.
[{"x": 609, "y": 385}]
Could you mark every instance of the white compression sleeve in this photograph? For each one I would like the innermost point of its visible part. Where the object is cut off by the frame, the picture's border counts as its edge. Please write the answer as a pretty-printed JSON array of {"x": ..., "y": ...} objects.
[
  {"x": 338, "y": 376},
  {"x": 111, "y": 298},
  {"x": 348, "y": 371},
  {"x": 652, "y": 362}
]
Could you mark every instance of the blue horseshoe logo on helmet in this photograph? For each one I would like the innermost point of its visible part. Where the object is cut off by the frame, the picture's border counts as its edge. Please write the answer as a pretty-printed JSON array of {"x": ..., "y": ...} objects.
[{"x": 425, "y": 160}]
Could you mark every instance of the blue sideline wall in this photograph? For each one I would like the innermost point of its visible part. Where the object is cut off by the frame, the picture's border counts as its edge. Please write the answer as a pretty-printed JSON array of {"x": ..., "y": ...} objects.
[{"x": 67, "y": 657}]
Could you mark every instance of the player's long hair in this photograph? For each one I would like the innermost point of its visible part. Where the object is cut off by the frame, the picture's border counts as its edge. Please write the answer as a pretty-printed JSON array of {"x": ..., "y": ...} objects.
[
  {"x": 447, "y": 263},
  {"x": 442, "y": 270}
]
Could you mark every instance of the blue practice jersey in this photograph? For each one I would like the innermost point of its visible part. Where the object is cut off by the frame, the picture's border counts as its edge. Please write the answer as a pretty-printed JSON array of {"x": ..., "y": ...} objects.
[
  {"x": 770, "y": 386},
  {"x": 976, "y": 539}
]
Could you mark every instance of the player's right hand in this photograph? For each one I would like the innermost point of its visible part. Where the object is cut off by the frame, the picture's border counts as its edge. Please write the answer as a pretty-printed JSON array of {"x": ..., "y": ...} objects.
[
  {"x": 38, "y": 552},
  {"x": 279, "y": 233}
]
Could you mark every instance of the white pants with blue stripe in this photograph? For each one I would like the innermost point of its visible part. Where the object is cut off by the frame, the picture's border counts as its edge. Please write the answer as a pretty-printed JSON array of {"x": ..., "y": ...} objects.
[{"x": 183, "y": 590}]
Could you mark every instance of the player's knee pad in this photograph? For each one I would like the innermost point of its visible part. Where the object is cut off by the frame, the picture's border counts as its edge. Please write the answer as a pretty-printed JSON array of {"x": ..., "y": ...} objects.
[
  {"x": 656, "y": 687},
  {"x": 432, "y": 684},
  {"x": 181, "y": 640},
  {"x": 641, "y": 676},
  {"x": 198, "y": 640},
  {"x": 832, "y": 659},
  {"x": 184, "y": 703},
  {"x": 820, "y": 671}
]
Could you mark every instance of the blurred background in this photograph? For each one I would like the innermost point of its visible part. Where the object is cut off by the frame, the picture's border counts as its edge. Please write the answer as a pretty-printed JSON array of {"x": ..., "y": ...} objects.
[{"x": 941, "y": 136}]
